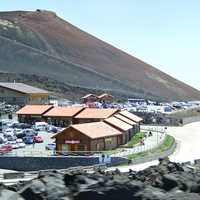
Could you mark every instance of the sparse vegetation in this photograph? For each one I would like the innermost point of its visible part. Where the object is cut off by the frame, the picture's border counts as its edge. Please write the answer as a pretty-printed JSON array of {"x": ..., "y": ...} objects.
[
  {"x": 135, "y": 139},
  {"x": 166, "y": 145}
]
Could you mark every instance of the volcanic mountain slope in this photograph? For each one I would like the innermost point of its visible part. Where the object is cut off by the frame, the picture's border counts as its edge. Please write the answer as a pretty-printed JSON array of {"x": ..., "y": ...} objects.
[{"x": 43, "y": 44}]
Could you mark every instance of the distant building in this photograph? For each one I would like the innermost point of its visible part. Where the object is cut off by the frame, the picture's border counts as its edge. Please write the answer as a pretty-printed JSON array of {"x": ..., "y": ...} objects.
[
  {"x": 105, "y": 97},
  {"x": 89, "y": 98},
  {"x": 22, "y": 94}
]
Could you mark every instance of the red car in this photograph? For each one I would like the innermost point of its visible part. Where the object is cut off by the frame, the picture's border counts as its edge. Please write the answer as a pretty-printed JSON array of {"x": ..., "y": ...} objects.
[
  {"x": 37, "y": 139},
  {"x": 5, "y": 149}
]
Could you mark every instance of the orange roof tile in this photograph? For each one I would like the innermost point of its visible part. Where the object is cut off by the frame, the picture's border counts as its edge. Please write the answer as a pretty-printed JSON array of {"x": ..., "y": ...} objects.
[
  {"x": 125, "y": 119},
  {"x": 63, "y": 111},
  {"x": 34, "y": 109},
  {"x": 118, "y": 123},
  {"x": 96, "y": 113},
  {"x": 93, "y": 130},
  {"x": 131, "y": 116}
]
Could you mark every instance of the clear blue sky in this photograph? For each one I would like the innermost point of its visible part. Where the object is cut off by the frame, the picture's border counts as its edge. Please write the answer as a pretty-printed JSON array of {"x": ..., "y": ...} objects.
[{"x": 165, "y": 34}]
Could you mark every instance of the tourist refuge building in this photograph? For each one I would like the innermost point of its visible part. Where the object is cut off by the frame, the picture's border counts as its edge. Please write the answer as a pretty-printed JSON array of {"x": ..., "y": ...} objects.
[
  {"x": 94, "y": 115},
  {"x": 95, "y": 136},
  {"x": 126, "y": 129},
  {"x": 22, "y": 94},
  {"x": 86, "y": 129},
  {"x": 132, "y": 117},
  {"x": 32, "y": 113},
  {"x": 62, "y": 116}
]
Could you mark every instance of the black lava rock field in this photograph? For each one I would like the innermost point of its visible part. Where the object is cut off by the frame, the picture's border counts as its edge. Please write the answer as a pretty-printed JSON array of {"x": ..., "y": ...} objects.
[{"x": 167, "y": 181}]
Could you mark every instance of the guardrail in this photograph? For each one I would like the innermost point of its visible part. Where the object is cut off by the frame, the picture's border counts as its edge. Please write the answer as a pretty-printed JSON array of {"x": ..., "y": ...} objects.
[{"x": 155, "y": 156}]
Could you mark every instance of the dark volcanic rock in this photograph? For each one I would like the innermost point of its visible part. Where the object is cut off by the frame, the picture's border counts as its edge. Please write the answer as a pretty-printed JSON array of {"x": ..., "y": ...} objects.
[{"x": 167, "y": 181}]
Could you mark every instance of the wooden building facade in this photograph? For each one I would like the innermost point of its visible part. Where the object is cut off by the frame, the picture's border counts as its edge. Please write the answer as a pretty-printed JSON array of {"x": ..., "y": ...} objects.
[{"x": 96, "y": 136}]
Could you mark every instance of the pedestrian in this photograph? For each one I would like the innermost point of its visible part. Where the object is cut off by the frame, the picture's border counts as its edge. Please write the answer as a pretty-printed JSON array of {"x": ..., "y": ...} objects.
[
  {"x": 103, "y": 158},
  {"x": 33, "y": 143}
]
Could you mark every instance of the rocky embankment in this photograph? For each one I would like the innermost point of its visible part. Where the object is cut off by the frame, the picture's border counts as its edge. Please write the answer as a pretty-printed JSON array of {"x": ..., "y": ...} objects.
[{"x": 167, "y": 181}]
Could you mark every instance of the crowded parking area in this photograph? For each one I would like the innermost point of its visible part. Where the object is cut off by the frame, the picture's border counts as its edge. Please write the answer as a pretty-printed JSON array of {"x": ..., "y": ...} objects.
[{"x": 23, "y": 139}]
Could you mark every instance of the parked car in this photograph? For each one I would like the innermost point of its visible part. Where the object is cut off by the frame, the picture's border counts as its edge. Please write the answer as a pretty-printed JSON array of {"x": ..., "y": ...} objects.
[
  {"x": 11, "y": 138},
  {"x": 52, "y": 129},
  {"x": 21, "y": 143},
  {"x": 40, "y": 126},
  {"x": 21, "y": 125},
  {"x": 51, "y": 146},
  {"x": 28, "y": 140},
  {"x": 5, "y": 149},
  {"x": 9, "y": 132},
  {"x": 37, "y": 139},
  {"x": 30, "y": 132},
  {"x": 14, "y": 144},
  {"x": 20, "y": 133}
]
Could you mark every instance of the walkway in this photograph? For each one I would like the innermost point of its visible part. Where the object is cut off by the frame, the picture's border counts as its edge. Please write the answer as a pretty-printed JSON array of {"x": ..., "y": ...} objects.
[
  {"x": 188, "y": 138},
  {"x": 150, "y": 142}
]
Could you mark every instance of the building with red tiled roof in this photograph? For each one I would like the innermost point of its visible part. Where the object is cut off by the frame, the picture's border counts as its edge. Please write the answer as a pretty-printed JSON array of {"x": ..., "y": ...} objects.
[
  {"x": 132, "y": 117},
  {"x": 124, "y": 127},
  {"x": 32, "y": 113},
  {"x": 95, "y": 136},
  {"x": 62, "y": 116},
  {"x": 105, "y": 97},
  {"x": 89, "y": 98},
  {"x": 94, "y": 115}
]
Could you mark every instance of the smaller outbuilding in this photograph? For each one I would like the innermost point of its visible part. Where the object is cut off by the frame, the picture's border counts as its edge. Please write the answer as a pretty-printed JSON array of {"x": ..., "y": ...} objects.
[
  {"x": 105, "y": 98},
  {"x": 32, "y": 113},
  {"x": 89, "y": 98},
  {"x": 95, "y": 136}
]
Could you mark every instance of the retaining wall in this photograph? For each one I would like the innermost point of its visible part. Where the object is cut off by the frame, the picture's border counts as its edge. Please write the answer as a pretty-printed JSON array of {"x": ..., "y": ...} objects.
[{"x": 43, "y": 163}]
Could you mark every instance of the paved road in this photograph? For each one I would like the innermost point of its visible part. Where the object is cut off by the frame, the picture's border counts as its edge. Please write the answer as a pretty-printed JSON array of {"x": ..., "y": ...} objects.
[{"x": 188, "y": 149}]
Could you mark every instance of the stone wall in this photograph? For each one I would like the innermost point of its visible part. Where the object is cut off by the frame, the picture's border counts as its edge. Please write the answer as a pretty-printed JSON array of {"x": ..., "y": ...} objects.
[{"x": 43, "y": 163}]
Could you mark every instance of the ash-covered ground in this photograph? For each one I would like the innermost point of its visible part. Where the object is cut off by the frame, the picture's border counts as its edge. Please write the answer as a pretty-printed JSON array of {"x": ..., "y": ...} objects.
[{"x": 166, "y": 181}]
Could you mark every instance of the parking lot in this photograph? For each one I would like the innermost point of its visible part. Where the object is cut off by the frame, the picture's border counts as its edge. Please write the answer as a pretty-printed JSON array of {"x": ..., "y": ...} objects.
[
  {"x": 37, "y": 149},
  {"x": 18, "y": 139}
]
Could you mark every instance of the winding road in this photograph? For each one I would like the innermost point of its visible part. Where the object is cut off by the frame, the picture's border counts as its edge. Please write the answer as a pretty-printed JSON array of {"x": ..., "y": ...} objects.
[{"x": 188, "y": 148}]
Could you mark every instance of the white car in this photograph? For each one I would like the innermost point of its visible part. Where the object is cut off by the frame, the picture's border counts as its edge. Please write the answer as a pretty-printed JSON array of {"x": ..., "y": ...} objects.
[
  {"x": 9, "y": 132},
  {"x": 19, "y": 140},
  {"x": 18, "y": 131},
  {"x": 41, "y": 126},
  {"x": 13, "y": 144},
  {"x": 21, "y": 145}
]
